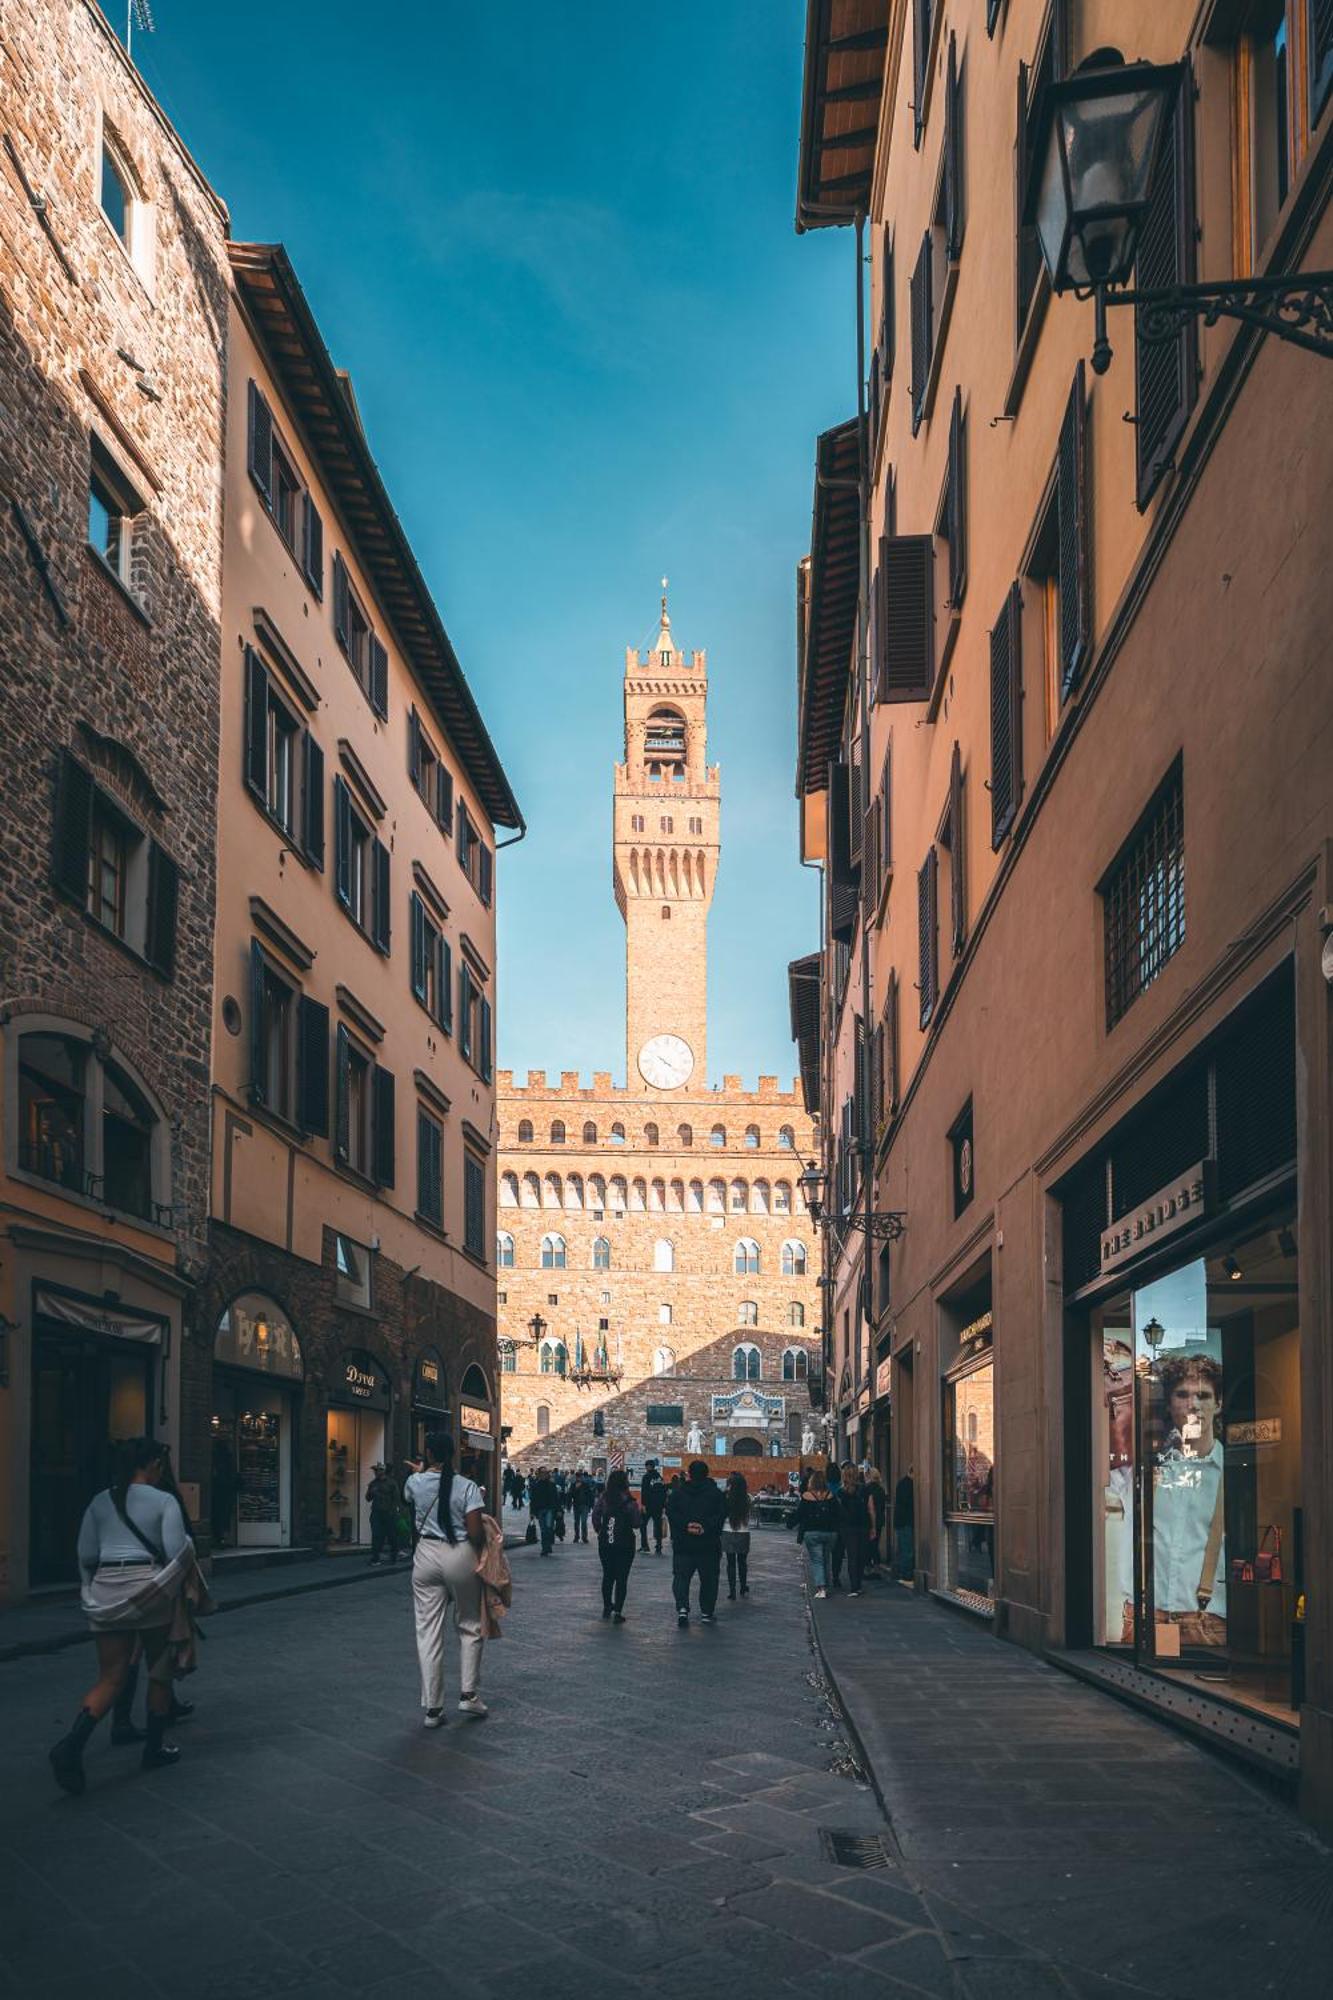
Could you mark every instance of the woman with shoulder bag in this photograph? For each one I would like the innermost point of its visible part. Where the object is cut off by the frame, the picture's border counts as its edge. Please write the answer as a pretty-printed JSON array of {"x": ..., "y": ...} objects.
[
  {"x": 736, "y": 1534},
  {"x": 451, "y": 1537},
  {"x": 615, "y": 1521}
]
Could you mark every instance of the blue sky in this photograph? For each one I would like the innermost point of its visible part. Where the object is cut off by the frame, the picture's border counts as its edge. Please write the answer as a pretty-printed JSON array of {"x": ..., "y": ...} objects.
[{"x": 553, "y": 243}]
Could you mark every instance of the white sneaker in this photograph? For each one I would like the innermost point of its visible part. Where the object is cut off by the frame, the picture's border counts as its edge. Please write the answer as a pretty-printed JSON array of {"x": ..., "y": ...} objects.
[
  {"x": 821, "y": 1593},
  {"x": 433, "y": 1719},
  {"x": 472, "y": 1704}
]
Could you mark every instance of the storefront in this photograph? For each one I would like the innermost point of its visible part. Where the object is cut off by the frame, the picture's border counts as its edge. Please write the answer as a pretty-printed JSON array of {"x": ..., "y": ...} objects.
[
  {"x": 257, "y": 1380},
  {"x": 967, "y": 1357},
  {"x": 881, "y": 1436},
  {"x": 430, "y": 1399},
  {"x": 98, "y": 1375},
  {"x": 476, "y": 1417},
  {"x": 1187, "y": 1352},
  {"x": 358, "y": 1418}
]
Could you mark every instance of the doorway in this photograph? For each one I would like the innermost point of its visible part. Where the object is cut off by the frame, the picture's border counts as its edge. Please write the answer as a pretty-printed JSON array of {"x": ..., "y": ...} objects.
[
  {"x": 252, "y": 1426},
  {"x": 86, "y": 1393}
]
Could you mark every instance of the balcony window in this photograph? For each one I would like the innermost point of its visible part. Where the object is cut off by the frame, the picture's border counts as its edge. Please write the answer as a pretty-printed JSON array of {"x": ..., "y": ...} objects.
[
  {"x": 85, "y": 1125},
  {"x": 127, "y": 1144},
  {"x": 51, "y": 1109}
]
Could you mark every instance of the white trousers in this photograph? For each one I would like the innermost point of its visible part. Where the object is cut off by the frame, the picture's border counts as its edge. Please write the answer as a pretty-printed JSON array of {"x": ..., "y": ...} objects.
[{"x": 441, "y": 1576}]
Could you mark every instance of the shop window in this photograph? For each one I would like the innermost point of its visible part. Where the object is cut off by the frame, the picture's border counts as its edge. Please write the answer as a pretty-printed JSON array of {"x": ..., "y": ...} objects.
[
  {"x": 474, "y": 1206},
  {"x": 969, "y": 1481},
  {"x": 746, "y": 1365},
  {"x": 1143, "y": 899},
  {"x": 353, "y": 1267},
  {"x": 795, "y": 1364},
  {"x": 128, "y": 1122},
  {"x": 52, "y": 1109},
  {"x": 745, "y": 1261}
]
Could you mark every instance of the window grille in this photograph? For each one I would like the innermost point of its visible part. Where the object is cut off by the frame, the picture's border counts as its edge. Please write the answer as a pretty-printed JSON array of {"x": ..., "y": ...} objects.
[{"x": 1144, "y": 900}]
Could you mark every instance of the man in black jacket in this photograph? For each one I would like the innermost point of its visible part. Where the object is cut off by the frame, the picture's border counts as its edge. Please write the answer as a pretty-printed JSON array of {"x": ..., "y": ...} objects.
[
  {"x": 695, "y": 1511},
  {"x": 542, "y": 1503},
  {"x": 653, "y": 1499}
]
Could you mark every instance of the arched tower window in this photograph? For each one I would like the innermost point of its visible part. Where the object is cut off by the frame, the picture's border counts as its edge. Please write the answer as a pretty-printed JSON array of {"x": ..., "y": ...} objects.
[
  {"x": 553, "y": 1252},
  {"x": 525, "y": 1131},
  {"x": 796, "y": 1313},
  {"x": 558, "y": 1132},
  {"x": 747, "y": 1257},
  {"x": 664, "y": 1254},
  {"x": 543, "y": 1419},
  {"x": 650, "y": 1135},
  {"x": 617, "y": 1135},
  {"x": 747, "y": 1313},
  {"x": 795, "y": 1364},
  {"x": 601, "y": 1254},
  {"x": 787, "y": 1139},
  {"x": 746, "y": 1362},
  {"x": 684, "y": 1135},
  {"x": 752, "y": 1137},
  {"x": 504, "y": 1250},
  {"x": 718, "y": 1136},
  {"x": 589, "y": 1133},
  {"x": 793, "y": 1260}
]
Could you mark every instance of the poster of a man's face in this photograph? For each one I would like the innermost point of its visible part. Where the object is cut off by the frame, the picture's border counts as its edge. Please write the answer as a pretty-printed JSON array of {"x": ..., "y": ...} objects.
[{"x": 1191, "y": 1387}]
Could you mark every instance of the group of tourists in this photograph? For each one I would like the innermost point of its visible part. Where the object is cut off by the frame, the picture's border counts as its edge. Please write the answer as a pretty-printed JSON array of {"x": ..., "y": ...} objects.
[{"x": 841, "y": 1520}]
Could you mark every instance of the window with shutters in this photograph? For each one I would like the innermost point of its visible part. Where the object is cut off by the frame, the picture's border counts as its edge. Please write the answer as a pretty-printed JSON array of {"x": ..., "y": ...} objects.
[
  {"x": 925, "y": 20},
  {"x": 1143, "y": 899},
  {"x": 927, "y": 919},
  {"x": 888, "y": 1062},
  {"x": 1006, "y": 712},
  {"x": 273, "y": 1042},
  {"x": 365, "y": 1134},
  {"x": 475, "y": 1023},
  {"x": 1029, "y": 281},
  {"x": 353, "y": 1268},
  {"x": 1318, "y": 57},
  {"x": 362, "y": 870},
  {"x": 431, "y": 964},
  {"x": 881, "y": 361},
  {"x": 286, "y": 498},
  {"x": 474, "y": 856},
  {"x": 905, "y": 618},
  {"x": 951, "y": 842},
  {"x": 921, "y": 302},
  {"x": 1057, "y": 599},
  {"x": 430, "y": 777},
  {"x": 107, "y": 866},
  {"x": 474, "y": 1205},
  {"x": 284, "y": 764},
  {"x": 1268, "y": 44},
  {"x": 115, "y": 512},
  {"x": 1166, "y": 371},
  {"x": 430, "y": 1168},
  {"x": 951, "y": 523},
  {"x": 364, "y": 652},
  {"x": 86, "y": 1124}
]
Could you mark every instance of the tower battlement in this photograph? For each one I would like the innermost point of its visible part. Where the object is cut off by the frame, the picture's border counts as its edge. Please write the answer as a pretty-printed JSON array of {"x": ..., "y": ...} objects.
[{"x": 572, "y": 1089}]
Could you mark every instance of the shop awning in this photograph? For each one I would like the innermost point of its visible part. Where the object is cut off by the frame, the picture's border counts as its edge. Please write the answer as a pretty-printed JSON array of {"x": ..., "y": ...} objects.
[
  {"x": 846, "y": 45},
  {"x": 831, "y": 603}
]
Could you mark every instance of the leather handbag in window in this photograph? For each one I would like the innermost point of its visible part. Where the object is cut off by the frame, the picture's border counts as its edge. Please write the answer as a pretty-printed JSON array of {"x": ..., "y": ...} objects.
[{"x": 1268, "y": 1562}]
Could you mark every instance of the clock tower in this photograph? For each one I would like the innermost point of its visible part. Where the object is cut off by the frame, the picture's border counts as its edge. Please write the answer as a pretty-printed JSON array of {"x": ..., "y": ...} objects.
[{"x": 666, "y": 837}]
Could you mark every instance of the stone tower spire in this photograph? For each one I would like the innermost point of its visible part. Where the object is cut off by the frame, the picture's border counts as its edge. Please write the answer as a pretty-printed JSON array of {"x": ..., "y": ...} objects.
[{"x": 666, "y": 843}]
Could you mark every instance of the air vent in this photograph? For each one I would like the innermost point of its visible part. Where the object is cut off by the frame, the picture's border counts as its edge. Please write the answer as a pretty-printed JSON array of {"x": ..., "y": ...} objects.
[{"x": 855, "y": 1850}]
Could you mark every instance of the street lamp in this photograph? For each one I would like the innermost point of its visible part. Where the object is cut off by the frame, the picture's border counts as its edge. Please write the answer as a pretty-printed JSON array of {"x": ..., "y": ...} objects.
[
  {"x": 536, "y": 1327},
  {"x": 1098, "y": 147},
  {"x": 812, "y": 1184},
  {"x": 884, "y": 1223}
]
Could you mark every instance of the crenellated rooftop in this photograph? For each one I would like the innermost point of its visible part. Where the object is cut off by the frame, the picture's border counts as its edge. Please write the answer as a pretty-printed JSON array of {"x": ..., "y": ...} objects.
[{"x": 571, "y": 1088}]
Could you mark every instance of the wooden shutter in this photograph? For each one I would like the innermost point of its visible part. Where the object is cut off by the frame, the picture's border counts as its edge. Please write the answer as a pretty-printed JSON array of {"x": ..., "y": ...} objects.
[
  {"x": 956, "y": 524},
  {"x": 485, "y": 1032},
  {"x": 870, "y": 868},
  {"x": 485, "y": 874},
  {"x": 465, "y": 1013},
  {"x": 342, "y": 843},
  {"x": 419, "y": 945},
  {"x": 414, "y": 748},
  {"x": 464, "y": 839},
  {"x": 957, "y": 855},
  {"x": 260, "y": 443},
  {"x": 855, "y": 804},
  {"x": 1006, "y": 716},
  {"x": 954, "y": 200},
  {"x": 886, "y": 811},
  {"x": 906, "y": 617},
  {"x": 922, "y": 314},
  {"x": 1075, "y": 551},
  {"x": 379, "y": 678},
  {"x": 920, "y": 58},
  {"x": 1320, "y": 56},
  {"x": 258, "y": 1038},
  {"x": 381, "y": 915},
  {"x": 887, "y": 328},
  {"x": 73, "y": 830},
  {"x": 340, "y": 618},
  {"x": 312, "y": 1067},
  {"x": 1027, "y": 244},
  {"x": 382, "y": 1150},
  {"x": 312, "y": 547},
  {"x": 1166, "y": 371},
  {"x": 992, "y": 14},
  {"x": 430, "y": 1168},
  {"x": 163, "y": 897},
  {"x": 927, "y": 920},
  {"x": 445, "y": 984},
  {"x": 891, "y": 1047},
  {"x": 841, "y": 871},
  {"x": 342, "y": 1110},
  {"x": 256, "y": 726},
  {"x": 444, "y": 797},
  {"x": 312, "y": 801}
]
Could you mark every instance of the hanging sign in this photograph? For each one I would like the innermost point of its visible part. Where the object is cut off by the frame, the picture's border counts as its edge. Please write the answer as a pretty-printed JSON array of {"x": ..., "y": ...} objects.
[{"x": 474, "y": 1419}]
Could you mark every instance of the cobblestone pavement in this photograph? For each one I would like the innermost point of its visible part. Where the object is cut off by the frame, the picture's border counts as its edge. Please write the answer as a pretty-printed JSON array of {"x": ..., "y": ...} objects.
[{"x": 644, "y": 1811}]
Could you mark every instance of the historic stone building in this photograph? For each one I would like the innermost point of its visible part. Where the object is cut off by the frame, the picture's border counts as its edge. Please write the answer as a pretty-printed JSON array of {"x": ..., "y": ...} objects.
[{"x": 655, "y": 1261}]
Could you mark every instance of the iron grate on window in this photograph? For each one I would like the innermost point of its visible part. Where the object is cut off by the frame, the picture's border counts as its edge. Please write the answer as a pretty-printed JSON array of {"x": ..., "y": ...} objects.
[{"x": 1143, "y": 898}]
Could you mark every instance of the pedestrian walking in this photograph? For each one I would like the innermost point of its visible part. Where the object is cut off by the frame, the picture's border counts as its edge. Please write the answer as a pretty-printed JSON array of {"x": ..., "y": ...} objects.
[
  {"x": 542, "y": 1506},
  {"x": 616, "y": 1517},
  {"x": 181, "y": 1640},
  {"x": 736, "y": 1535},
  {"x": 385, "y": 1498},
  {"x": 877, "y": 1510},
  {"x": 449, "y": 1513},
  {"x": 581, "y": 1497},
  {"x": 904, "y": 1526},
  {"x": 833, "y": 1480},
  {"x": 653, "y": 1494},
  {"x": 134, "y": 1558},
  {"x": 817, "y": 1527},
  {"x": 695, "y": 1512},
  {"x": 854, "y": 1513}
]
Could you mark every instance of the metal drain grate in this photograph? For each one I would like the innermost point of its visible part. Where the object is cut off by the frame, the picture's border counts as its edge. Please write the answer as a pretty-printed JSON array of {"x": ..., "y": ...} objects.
[{"x": 855, "y": 1850}]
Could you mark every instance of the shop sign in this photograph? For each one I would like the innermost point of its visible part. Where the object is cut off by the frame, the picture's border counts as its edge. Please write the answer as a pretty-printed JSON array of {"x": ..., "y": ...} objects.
[
  {"x": 92, "y": 1318},
  {"x": 863, "y": 1401},
  {"x": 359, "y": 1382},
  {"x": 1262, "y": 1430},
  {"x": 977, "y": 1335},
  {"x": 475, "y": 1419},
  {"x": 1166, "y": 1213},
  {"x": 428, "y": 1390},
  {"x": 362, "y": 1381},
  {"x": 883, "y": 1377}
]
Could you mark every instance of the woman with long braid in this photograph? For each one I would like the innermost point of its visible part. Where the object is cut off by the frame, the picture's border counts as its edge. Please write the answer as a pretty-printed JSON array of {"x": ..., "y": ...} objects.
[{"x": 447, "y": 1512}]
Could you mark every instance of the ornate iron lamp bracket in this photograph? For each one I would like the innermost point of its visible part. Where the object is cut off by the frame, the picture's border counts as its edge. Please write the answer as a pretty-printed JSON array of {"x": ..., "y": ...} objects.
[{"x": 1297, "y": 309}]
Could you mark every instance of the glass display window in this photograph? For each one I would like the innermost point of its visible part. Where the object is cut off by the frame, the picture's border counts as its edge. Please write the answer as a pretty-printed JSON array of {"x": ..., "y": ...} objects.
[{"x": 969, "y": 1480}]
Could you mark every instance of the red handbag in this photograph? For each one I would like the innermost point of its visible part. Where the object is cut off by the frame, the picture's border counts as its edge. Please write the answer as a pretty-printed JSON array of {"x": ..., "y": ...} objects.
[{"x": 1268, "y": 1562}]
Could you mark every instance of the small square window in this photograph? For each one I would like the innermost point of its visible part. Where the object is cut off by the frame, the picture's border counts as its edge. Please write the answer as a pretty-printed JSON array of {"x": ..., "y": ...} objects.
[
  {"x": 112, "y": 508},
  {"x": 110, "y": 857},
  {"x": 352, "y": 1265},
  {"x": 664, "y": 1315}
]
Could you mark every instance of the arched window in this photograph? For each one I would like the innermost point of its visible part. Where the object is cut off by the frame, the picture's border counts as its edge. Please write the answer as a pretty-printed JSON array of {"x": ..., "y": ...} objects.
[
  {"x": 573, "y": 1190},
  {"x": 685, "y": 1135},
  {"x": 782, "y": 1198},
  {"x": 474, "y": 1384},
  {"x": 717, "y": 1197},
  {"x": 553, "y": 1252},
  {"x": 557, "y": 1132},
  {"x": 617, "y": 1135},
  {"x": 787, "y": 1139},
  {"x": 664, "y": 1360},
  {"x": 589, "y": 1133},
  {"x": 676, "y": 1197},
  {"x": 504, "y": 1250},
  {"x": 532, "y": 1191},
  {"x": 657, "y": 1196},
  {"x": 553, "y": 1192},
  {"x": 664, "y": 1254},
  {"x": 793, "y": 1260},
  {"x": 746, "y": 1365},
  {"x": 752, "y": 1137},
  {"x": 596, "y": 1191},
  {"x": 796, "y": 1313},
  {"x": 86, "y": 1124},
  {"x": 554, "y": 1357},
  {"x": 650, "y": 1135},
  {"x": 759, "y": 1198},
  {"x": 508, "y": 1357},
  {"x": 747, "y": 1313},
  {"x": 747, "y": 1257},
  {"x": 543, "y": 1419},
  {"x": 795, "y": 1364},
  {"x": 740, "y": 1197},
  {"x": 617, "y": 1192},
  {"x": 638, "y": 1193},
  {"x": 525, "y": 1131},
  {"x": 509, "y": 1190},
  {"x": 601, "y": 1254},
  {"x": 718, "y": 1136},
  {"x": 694, "y": 1200}
]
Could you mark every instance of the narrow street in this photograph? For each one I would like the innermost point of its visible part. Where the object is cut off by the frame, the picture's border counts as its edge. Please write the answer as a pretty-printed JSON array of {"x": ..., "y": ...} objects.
[{"x": 645, "y": 1810}]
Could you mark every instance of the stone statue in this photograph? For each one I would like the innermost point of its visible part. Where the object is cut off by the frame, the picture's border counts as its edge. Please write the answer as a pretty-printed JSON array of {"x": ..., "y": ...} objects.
[
  {"x": 694, "y": 1437},
  {"x": 808, "y": 1441}
]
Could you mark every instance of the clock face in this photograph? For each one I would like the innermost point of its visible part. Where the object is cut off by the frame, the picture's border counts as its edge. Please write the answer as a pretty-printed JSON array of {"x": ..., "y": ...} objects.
[{"x": 666, "y": 1062}]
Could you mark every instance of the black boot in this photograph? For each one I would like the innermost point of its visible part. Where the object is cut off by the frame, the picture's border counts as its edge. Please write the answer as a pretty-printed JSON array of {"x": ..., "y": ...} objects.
[
  {"x": 67, "y": 1757},
  {"x": 179, "y": 1710},
  {"x": 123, "y": 1728},
  {"x": 155, "y": 1751}
]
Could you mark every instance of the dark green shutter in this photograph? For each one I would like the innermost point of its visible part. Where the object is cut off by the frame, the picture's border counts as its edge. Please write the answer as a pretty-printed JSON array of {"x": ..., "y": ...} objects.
[
  {"x": 1320, "y": 56},
  {"x": 73, "y": 830},
  {"x": 485, "y": 874},
  {"x": 486, "y": 1058},
  {"x": 163, "y": 896},
  {"x": 260, "y": 443},
  {"x": 465, "y": 1013},
  {"x": 922, "y": 316},
  {"x": 312, "y": 800},
  {"x": 955, "y": 210},
  {"x": 1166, "y": 371},
  {"x": 414, "y": 748},
  {"x": 379, "y": 678},
  {"x": 340, "y": 619},
  {"x": 418, "y": 948},
  {"x": 444, "y": 798},
  {"x": 445, "y": 983},
  {"x": 312, "y": 547},
  {"x": 957, "y": 855},
  {"x": 342, "y": 843},
  {"x": 258, "y": 1037},
  {"x": 1075, "y": 550},
  {"x": 342, "y": 1110},
  {"x": 956, "y": 523},
  {"x": 383, "y": 1109},
  {"x": 381, "y": 916},
  {"x": 1006, "y": 716},
  {"x": 906, "y": 617},
  {"x": 927, "y": 884},
  {"x": 256, "y": 726},
  {"x": 921, "y": 10},
  {"x": 312, "y": 1067}
]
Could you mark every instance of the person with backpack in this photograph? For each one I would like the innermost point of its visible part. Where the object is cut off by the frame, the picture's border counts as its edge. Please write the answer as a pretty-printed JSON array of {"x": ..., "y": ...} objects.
[
  {"x": 135, "y": 1558},
  {"x": 695, "y": 1512},
  {"x": 653, "y": 1497},
  {"x": 817, "y": 1526},
  {"x": 615, "y": 1518},
  {"x": 736, "y": 1534},
  {"x": 449, "y": 1513},
  {"x": 581, "y": 1497}
]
